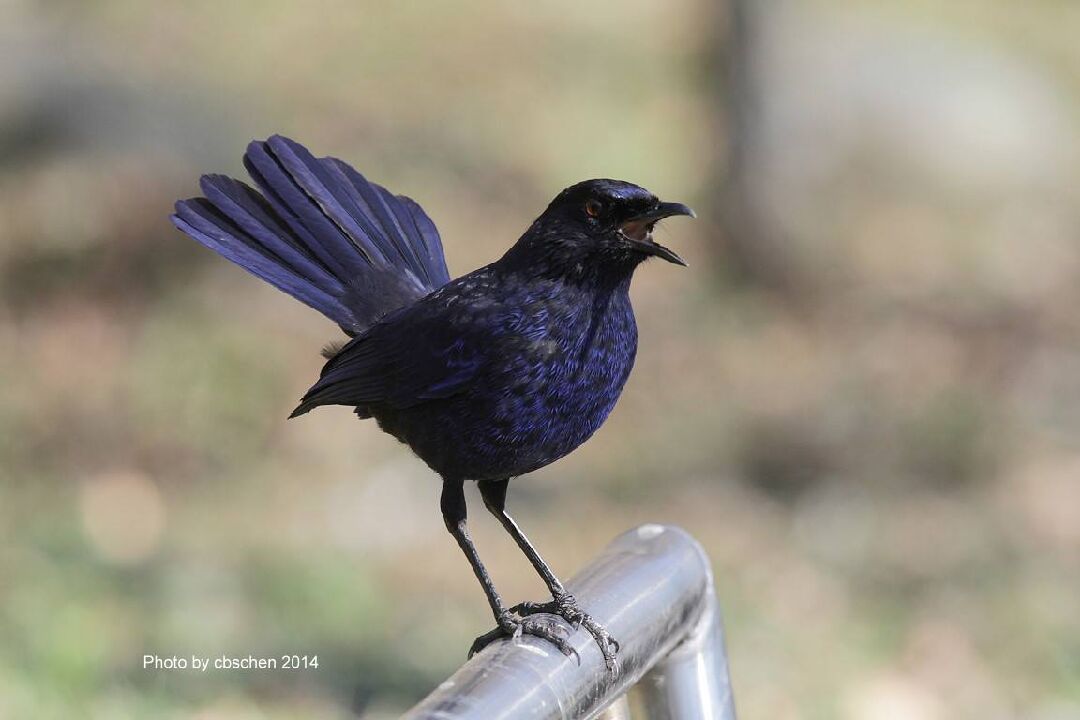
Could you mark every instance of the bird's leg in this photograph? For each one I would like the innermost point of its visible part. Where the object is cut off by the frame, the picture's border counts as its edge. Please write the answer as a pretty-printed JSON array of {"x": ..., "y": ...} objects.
[
  {"x": 563, "y": 603},
  {"x": 454, "y": 515}
]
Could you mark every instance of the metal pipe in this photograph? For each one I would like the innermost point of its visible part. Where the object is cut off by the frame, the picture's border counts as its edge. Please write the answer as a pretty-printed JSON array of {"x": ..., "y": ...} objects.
[
  {"x": 652, "y": 589},
  {"x": 693, "y": 680},
  {"x": 618, "y": 710}
]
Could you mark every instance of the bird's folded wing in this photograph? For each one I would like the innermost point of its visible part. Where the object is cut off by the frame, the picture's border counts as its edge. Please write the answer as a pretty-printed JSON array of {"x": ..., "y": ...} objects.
[{"x": 399, "y": 367}]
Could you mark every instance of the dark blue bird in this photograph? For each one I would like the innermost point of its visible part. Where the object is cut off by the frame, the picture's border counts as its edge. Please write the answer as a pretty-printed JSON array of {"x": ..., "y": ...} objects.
[{"x": 486, "y": 377}]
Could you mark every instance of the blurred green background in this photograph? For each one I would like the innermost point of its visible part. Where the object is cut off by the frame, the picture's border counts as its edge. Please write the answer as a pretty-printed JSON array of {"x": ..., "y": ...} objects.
[{"x": 863, "y": 396}]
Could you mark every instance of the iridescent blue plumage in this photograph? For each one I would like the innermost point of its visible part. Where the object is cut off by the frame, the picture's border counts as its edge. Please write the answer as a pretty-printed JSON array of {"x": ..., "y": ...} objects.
[
  {"x": 486, "y": 377},
  {"x": 498, "y": 374},
  {"x": 320, "y": 232}
]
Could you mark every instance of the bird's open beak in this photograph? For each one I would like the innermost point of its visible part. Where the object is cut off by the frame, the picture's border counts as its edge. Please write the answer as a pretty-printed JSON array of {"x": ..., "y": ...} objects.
[{"x": 638, "y": 230}]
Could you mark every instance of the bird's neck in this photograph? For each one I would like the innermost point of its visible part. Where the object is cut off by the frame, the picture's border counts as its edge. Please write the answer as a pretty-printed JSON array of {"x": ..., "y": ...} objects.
[{"x": 544, "y": 253}]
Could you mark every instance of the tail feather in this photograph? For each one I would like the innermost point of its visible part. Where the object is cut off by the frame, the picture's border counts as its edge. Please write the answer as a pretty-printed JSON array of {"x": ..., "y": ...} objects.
[
  {"x": 254, "y": 216},
  {"x": 388, "y": 233},
  {"x": 303, "y": 215},
  {"x": 320, "y": 232},
  {"x": 377, "y": 228},
  {"x": 201, "y": 221},
  {"x": 328, "y": 197},
  {"x": 356, "y": 207},
  {"x": 429, "y": 240}
]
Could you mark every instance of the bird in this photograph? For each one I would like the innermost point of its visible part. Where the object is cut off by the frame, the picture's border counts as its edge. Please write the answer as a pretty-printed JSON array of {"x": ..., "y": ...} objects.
[{"x": 486, "y": 377}]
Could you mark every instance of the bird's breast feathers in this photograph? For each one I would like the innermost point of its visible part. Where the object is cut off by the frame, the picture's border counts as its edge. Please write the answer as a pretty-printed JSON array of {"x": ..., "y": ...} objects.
[{"x": 570, "y": 361}]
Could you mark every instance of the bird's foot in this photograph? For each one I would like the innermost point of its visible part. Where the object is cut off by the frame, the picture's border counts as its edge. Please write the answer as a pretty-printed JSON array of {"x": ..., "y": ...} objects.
[
  {"x": 510, "y": 625},
  {"x": 566, "y": 606}
]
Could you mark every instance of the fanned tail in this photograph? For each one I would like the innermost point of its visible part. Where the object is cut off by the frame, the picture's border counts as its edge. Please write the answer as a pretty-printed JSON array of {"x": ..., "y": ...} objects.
[{"x": 320, "y": 232}]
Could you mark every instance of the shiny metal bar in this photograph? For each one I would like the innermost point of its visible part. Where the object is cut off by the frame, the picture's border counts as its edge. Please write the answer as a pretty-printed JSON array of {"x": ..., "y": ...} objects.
[
  {"x": 693, "y": 680},
  {"x": 652, "y": 589},
  {"x": 618, "y": 710}
]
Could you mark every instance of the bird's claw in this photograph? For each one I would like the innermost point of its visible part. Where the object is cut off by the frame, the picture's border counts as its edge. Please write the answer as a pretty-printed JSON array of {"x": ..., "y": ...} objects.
[
  {"x": 566, "y": 606},
  {"x": 524, "y": 609},
  {"x": 512, "y": 626}
]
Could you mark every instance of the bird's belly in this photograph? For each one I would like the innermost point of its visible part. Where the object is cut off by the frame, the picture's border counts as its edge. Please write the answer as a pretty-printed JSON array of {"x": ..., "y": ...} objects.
[{"x": 527, "y": 414}]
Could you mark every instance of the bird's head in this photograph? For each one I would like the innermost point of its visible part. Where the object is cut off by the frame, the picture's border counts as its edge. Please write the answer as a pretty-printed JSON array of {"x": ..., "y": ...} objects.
[{"x": 606, "y": 222}]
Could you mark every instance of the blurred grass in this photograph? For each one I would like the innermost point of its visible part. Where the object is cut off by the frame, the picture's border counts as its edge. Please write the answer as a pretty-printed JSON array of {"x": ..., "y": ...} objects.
[{"x": 883, "y": 469}]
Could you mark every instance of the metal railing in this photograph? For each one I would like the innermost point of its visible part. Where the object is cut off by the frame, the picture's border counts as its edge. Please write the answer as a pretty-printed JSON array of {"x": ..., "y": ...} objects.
[{"x": 652, "y": 589}]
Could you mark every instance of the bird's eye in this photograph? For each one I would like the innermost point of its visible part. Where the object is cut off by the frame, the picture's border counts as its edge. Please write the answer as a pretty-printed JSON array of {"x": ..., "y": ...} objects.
[{"x": 593, "y": 208}]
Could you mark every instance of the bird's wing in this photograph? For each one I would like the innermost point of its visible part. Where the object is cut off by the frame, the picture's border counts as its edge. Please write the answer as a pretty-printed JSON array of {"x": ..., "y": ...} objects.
[{"x": 400, "y": 362}]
